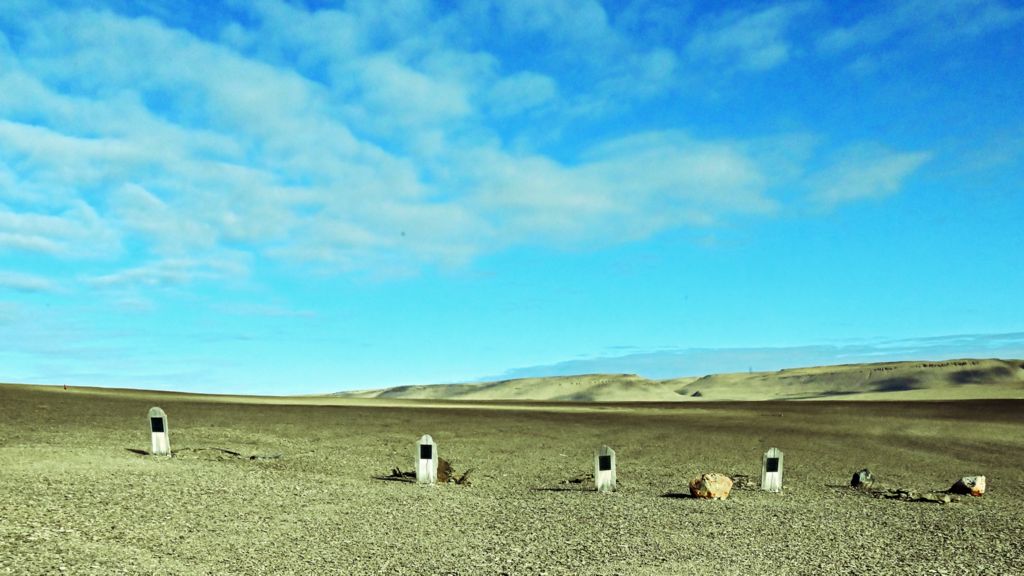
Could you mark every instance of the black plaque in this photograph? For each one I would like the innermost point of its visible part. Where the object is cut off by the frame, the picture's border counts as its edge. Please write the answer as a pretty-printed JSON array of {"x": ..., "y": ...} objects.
[
  {"x": 604, "y": 463},
  {"x": 426, "y": 452},
  {"x": 157, "y": 424},
  {"x": 772, "y": 465}
]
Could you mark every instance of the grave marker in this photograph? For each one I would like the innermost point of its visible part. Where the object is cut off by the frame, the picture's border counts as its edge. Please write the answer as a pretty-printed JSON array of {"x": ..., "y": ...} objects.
[
  {"x": 604, "y": 469},
  {"x": 160, "y": 432},
  {"x": 771, "y": 470},
  {"x": 426, "y": 460}
]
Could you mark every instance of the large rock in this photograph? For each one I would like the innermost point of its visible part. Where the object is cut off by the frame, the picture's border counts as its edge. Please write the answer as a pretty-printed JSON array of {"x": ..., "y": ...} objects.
[
  {"x": 862, "y": 479},
  {"x": 973, "y": 485},
  {"x": 713, "y": 486}
]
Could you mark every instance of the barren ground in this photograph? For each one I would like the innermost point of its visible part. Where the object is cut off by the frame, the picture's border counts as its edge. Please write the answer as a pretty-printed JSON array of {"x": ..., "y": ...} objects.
[{"x": 77, "y": 498}]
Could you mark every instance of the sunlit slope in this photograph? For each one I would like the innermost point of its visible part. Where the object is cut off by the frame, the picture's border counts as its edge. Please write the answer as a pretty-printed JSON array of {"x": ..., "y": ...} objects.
[
  {"x": 947, "y": 380},
  {"x": 951, "y": 379},
  {"x": 584, "y": 388}
]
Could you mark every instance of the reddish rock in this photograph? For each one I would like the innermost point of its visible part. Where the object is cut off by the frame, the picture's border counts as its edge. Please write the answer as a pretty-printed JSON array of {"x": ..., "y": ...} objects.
[
  {"x": 713, "y": 486},
  {"x": 973, "y": 485}
]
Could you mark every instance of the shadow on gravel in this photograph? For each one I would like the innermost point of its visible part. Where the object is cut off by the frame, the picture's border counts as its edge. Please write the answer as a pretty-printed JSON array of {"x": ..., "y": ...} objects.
[
  {"x": 398, "y": 475},
  {"x": 680, "y": 495},
  {"x": 564, "y": 489},
  {"x": 405, "y": 479},
  {"x": 211, "y": 454}
]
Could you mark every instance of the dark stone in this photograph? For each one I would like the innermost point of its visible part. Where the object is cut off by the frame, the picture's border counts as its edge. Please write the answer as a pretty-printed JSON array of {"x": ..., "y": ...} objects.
[
  {"x": 862, "y": 479},
  {"x": 969, "y": 485}
]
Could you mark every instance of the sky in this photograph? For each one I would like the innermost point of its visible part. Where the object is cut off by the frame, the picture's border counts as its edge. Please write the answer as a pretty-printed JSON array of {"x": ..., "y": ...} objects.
[{"x": 287, "y": 197}]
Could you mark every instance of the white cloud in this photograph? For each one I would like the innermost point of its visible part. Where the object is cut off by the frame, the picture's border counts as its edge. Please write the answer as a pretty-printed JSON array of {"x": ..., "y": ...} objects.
[
  {"x": 611, "y": 69},
  {"x": 26, "y": 282},
  {"x": 748, "y": 41},
  {"x": 77, "y": 232},
  {"x": 522, "y": 91},
  {"x": 573, "y": 21},
  {"x": 636, "y": 186},
  {"x": 140, "y": 211},
  {"x": 864, "y": 172},
  {"x": 61, "y": 161},
  {"x": 176, "y": 272},
  {"x": 411, "y": 97},
  {"x": 924, "y": 21},
  {"x": 312, "y": 137}
]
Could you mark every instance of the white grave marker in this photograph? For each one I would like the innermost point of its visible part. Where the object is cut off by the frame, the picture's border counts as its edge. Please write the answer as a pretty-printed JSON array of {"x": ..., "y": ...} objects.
[
  {"x": 161, "y": 435},
  {"x": 604, "y": 469},
  {"x": 426, "y": 460},
  {"x": 771, "y": 470}
]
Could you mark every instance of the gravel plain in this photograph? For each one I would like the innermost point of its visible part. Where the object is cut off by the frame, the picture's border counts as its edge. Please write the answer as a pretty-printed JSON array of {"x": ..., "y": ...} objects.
[{"x": 265, "y": 488}]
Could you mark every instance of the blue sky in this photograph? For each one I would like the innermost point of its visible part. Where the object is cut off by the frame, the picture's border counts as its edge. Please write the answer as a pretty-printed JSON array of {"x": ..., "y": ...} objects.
[{"x": 282, "y": 197}]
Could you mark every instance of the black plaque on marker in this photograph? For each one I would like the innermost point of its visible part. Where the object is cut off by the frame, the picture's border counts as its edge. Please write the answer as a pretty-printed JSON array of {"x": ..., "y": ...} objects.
[
  {"x": 426, "y": 452},
  {"x": 157, "y": 424},
  {"x": 604, "y": 463},
  {"x": 772, "y": 465}
]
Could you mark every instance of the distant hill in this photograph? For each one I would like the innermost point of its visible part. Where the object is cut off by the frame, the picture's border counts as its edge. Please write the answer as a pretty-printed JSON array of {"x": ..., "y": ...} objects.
[{"x": 946, "y": 380}]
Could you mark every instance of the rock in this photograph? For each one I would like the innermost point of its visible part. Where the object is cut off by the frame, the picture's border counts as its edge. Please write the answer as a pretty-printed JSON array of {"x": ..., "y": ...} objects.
[
  {"x": 973, "y": 485},
  {"x": 713, "y": 486},
  {"x": 862, "y": 479}
]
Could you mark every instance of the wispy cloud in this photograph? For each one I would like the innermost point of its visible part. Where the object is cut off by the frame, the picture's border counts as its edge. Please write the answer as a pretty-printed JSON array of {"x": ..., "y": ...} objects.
[
  {"x": 520, "y": 92},
  {"x": 748, "y": 41},
  {"x": 638, "y": 186},
  {"x": 29, "y": 283},
  {"x": 337, "y": 138},
  {"x": 924, "y": 21},
  {"x": 78, "y": 231},
  {"x": 215, "y": 146},
  {"x": 864, "y": 172},
  {"x": 175, "y": 272}
]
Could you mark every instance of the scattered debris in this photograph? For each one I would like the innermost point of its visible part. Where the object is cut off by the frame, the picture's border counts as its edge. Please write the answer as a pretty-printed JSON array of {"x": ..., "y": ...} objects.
[
  {"x": 862, "y": 479},
  {"x": 445, "y": 474},
  {"x": 865, "y": 482},
  {"x": 712, "y": 486},
  {"x": 221, "y": 454},
  {"x": 911, "y": 496},
  {"x": 579, "y": 479},
  {"x": 741, "y": 482},
  {"x": 969, "y": 485},
  {"x": 397, "y": 474},
  {"x": 464, "y": 479}
]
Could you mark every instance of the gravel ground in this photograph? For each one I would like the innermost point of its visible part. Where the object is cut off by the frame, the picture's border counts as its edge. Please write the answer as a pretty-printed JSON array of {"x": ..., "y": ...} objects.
[{"x": 76, "y": 497}]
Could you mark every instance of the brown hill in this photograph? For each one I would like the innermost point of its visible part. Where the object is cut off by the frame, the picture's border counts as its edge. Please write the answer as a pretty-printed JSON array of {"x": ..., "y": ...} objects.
[{"x": 926, "y": 380}]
